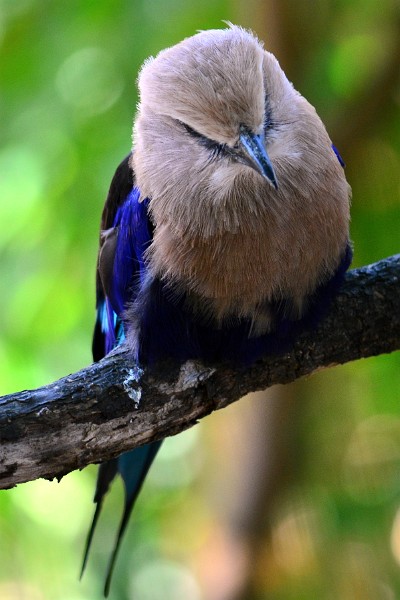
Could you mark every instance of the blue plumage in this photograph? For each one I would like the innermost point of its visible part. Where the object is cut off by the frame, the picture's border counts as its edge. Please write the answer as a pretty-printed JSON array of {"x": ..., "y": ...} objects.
[{"x": 130, "y": 234}]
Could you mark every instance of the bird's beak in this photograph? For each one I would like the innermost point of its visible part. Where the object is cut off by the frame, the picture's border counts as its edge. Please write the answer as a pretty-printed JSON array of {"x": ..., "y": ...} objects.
[{"x": 253, "y": 153}]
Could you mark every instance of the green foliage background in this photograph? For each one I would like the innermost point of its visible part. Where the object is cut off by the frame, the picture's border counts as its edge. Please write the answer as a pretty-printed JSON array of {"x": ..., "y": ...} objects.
[{"x": 67, "y": 97}]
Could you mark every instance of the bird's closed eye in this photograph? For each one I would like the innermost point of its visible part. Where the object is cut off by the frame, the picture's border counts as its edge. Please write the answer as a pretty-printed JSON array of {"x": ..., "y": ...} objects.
[
  {"x": 215, "y": 149},
  {"x": 268, "y": 122}
]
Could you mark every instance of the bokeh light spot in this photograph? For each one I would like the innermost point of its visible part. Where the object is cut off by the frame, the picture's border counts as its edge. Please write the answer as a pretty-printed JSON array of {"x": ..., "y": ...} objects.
[
  {"x": 372, "y": 460},
  {"x": 22, "y": 181},
  {"x": 164, "y": 580},
  {"x": 89, "y": 82}
]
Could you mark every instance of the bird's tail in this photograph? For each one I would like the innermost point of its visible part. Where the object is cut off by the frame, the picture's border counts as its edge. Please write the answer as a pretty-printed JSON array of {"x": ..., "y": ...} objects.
[{"x": 132, "y": 467}]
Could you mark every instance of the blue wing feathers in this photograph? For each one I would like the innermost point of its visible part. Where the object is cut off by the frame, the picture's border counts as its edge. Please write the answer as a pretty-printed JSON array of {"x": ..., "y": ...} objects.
[
  {"x": 340, "y": 159},
  {"x": 128, "y": 272},
  {"x": 134, "y": 237}
]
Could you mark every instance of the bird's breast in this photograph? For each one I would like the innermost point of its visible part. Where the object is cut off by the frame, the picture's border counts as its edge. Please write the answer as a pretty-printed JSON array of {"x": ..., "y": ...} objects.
[
  {"x": 238, "y": 251},
  {"x": 235, "y": 273}
]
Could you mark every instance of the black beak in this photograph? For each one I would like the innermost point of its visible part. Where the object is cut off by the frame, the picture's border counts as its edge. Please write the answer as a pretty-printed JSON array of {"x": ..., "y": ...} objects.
[{"x": 253, "y": 153}]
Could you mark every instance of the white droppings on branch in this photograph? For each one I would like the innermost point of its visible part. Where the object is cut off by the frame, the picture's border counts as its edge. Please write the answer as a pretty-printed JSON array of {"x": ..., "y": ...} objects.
[{"x": 130, "y": 382}]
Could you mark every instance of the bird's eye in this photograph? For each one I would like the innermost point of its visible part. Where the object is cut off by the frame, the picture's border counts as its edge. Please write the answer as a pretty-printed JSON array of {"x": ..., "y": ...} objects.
[
  {"x": 192, "y": 132},
  {"x": 216, "y": 149},
  {"x": 268, "y": 122}
]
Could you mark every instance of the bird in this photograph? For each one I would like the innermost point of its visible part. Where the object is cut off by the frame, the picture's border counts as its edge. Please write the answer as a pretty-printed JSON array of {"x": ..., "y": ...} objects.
[{"x": 225, "y": 232}]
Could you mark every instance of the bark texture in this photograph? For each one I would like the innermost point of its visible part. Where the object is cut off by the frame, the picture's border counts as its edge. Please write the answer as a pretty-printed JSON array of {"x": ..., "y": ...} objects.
[{"x": 113, "y": 406}]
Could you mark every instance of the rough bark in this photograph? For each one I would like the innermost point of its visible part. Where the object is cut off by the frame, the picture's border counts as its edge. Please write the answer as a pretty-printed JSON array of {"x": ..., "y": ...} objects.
[{"x": 113, "y": 406}]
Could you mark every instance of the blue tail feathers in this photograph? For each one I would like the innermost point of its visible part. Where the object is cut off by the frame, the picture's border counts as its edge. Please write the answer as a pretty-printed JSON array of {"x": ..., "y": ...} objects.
[{"x": 133, "y": 467}]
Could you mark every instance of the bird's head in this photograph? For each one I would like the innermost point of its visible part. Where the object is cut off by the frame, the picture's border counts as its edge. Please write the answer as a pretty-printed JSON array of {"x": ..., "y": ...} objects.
[{"x": 219, "y": 120}]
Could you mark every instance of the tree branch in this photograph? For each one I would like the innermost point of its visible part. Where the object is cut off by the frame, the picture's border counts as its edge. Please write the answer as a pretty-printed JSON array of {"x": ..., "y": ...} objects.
[{"x": 113, "y": 406}]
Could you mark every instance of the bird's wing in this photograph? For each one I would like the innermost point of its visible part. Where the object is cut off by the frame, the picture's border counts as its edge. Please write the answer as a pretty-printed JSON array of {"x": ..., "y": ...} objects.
[
  {"x": 122, "y": 185},
  {"x": 126, "y": 232}
]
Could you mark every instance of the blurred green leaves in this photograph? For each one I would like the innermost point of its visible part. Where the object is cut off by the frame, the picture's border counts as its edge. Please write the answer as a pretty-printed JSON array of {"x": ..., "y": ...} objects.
[{"x": 353, "y": 61}]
